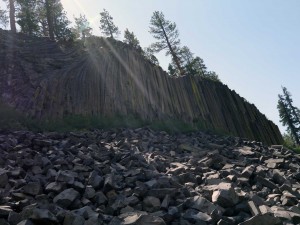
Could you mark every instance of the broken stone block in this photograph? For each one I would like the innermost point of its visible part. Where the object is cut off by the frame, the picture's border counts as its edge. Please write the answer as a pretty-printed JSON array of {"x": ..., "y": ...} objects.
[
  {"x": 151, "y": 204},
  {"x": 253, "y": 208},
  {"x": 266, "y": 182},
  {"x": 225, "y": 196},
  {"x": 3, "y": 178},
  {"x": 248, "y": 171},
  {"x": 265, "y": 219},
  {"x": 33, "y": 188},
  {"x": 43, "y": 216},
  {"x": 95, "y": 180},
  {"x": 66, "y": 198}
]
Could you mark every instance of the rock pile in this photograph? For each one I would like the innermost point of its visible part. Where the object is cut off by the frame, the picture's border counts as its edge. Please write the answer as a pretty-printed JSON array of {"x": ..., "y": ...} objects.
[{"x": 142, "y": 177}]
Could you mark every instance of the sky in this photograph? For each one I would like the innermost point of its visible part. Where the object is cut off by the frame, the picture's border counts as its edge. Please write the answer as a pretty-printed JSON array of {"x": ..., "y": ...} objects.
[{"x": 252, "y": 45}]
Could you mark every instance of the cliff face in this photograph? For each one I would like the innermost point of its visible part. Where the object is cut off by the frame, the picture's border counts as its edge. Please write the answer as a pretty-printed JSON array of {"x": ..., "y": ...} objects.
[{"x": 45, "y": 79}]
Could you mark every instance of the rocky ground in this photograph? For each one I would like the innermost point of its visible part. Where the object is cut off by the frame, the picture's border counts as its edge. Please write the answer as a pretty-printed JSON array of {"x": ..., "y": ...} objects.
[{"x": 145, "y": 177}]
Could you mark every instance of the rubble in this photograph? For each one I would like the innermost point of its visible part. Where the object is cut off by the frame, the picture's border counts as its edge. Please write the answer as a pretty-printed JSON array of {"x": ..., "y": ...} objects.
[{"x": 141, "y": 176}]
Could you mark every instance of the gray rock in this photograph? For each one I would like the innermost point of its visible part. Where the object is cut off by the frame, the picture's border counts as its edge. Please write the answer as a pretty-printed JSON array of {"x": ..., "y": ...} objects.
[
  {"x": 33, "y": 188},
  {"x": 201, "y": 204},
  {"x": 95, "y": 180},
  {"x": 66, "y": 198},
  {"x": 66, "y": 176},
  {"x": 262, "y": 220},
  {"x": 73, "y": 219},
  {"x": 14, "y": 218},
  {"x": 89, "y": 192},
  {"x": 248, "y": 171},
  {"x": 55, "y": 187},
  {"x": 100, "y": 198},
  {"x": 86, "y": 212},
  {"x": 225, "y": 196},
  {"x": 5, "y": 211},
  {"x": 266, "y": 182},
  {"x": 151, "y": 204},
  {"x": 253, "y": 208},
  {"x": 150, "y": 220},
  {"x": 43, "y": 216},
  {"x": 26, "y": 222},
  {"x": 3, "y": 178}
]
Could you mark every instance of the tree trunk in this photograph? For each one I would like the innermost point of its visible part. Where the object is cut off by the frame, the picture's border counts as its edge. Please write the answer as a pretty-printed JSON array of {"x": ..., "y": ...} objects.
[
  {"x": 12, "y": 19},
  {"x": 174, "y": 56},
  {"x": 110, "y": 29},
  {"x": 50, "y": 18}
]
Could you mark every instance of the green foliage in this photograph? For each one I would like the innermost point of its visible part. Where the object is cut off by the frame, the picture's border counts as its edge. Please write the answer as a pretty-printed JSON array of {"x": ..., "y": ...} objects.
[
  {"x": 290, "y": 143},
  {"x": 61, "y": 23},
  {"x": 148, "y": 54},
  {"x": 3, "y": 18},
  {"x": 82, "y": 27},
  {"x": 13, "y": 120},
  {"x": 107, "y": 26},
  {"x": 165, "y": 32},
  {"x": 131, "y": 39},
  {"x": 167, "y": 36},
  {"x": 10, "y": 118},
  {"x": 289, "y": 115},
  {"x": 43, "y": 18},
  {"x": 192, "y": 66},
  {"x": 27, "y": 17}
]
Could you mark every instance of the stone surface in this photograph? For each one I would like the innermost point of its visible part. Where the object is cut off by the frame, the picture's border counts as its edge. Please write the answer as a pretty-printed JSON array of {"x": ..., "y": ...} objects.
[
  {"x": 262, "y": 220},
  {"x": 127, "y": 176},
  {"x": 66, "y": 198},
  {"x": 225, "y": 196},
  {"x": 45, "y": 75}
]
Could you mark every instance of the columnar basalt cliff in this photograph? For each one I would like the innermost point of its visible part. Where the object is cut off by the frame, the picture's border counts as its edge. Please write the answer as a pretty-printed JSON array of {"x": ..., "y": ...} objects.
[{"x": 106, "y": 77}]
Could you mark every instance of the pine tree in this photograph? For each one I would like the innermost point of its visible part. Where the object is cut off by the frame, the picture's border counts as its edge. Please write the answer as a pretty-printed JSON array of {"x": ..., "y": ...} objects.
[
  {"x": 289, "y": 115},
  {"x": 3, "y": 18},
  {"x": 49, "y": 5},
  {"x": 193, "y": 66},
  {"x": 12, "y": 17},
  {"x": 131, "y": 39},
  {"x": 53, "y": 20},
  {"x": 27, "y": 17},
  {"x": 294, "y": 110},
  {"x": 167, "y": 35},
  {"x": 82, "y": 27},
  {"x": 148, "y": 54},
  {"x": 61, "y": 23},
  {"x": 107, "y": 25}
]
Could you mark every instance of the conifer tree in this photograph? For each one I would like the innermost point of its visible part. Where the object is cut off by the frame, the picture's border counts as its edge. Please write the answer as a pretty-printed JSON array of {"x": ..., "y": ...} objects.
[
  {"x": 166, "y": 34},
  {"x": 107, "y": 26},
  {"x": 27, "y": 17},
  {"x": 49, "y": 6},
  {"x": 131, "y": 39},
  {"x": 289, "y": 115},
  {"x": 148, "y": 54},
  {"x": 82, "y": 27},
  {"x": 53, "y": 20},
  {"x": 3, "y": 18},
  {"x": 12, "y": 17}
]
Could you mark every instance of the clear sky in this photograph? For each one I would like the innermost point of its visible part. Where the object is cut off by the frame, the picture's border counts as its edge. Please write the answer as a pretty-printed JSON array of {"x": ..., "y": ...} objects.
[{"x": 254, "y": 46}]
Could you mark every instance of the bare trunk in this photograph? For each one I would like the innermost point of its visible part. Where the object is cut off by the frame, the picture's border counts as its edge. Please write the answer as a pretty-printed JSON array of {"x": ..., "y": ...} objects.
[
  {"x": 50, "y": 19},
  {"x": 174, "y": 56},
  {"x": 12, "y": 19}
]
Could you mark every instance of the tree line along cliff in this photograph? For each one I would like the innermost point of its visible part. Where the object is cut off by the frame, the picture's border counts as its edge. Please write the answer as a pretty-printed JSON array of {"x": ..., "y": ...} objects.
[{"x": 47, "y": 79}]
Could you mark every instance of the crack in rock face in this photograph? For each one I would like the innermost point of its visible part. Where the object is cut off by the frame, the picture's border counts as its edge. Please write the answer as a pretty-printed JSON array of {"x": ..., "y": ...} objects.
[{"x": 145, "y": 177}]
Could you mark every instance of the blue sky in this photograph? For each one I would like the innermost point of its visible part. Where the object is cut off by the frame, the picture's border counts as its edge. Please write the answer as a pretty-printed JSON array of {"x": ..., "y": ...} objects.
[{"x": 252, "y": 45}]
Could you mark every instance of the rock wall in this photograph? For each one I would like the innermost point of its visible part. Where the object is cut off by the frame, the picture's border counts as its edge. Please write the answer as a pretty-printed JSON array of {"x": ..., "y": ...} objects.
[{"x": 106, "y": 77}]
